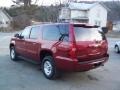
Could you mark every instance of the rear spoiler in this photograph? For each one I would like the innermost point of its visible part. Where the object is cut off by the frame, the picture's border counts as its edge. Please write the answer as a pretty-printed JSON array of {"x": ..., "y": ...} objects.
[
  {"x": 104, "y": 29},
  {"x": 84, "y": 25}
]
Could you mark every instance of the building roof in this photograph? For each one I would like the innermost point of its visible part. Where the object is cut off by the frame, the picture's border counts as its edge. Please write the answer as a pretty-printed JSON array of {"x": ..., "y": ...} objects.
[
  {"x": 10, "y": 18},
  {"x": 83, "y": 5}
]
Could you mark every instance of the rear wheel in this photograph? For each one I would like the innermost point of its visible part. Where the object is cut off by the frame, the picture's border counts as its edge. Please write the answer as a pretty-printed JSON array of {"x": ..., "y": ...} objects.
[
  {"x": 117, "y": 50},
  {"x": 13, "y": 54},
  {"x": 48, "y": 68}
]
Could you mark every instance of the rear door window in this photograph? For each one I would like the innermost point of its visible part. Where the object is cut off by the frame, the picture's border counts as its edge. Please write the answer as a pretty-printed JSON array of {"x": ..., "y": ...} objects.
[{"x": 88, "y": 34}]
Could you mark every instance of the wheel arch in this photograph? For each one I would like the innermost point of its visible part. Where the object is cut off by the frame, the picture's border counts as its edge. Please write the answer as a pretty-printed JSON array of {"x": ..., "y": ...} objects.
[
  {"x": 11, "y": 45},
  {"x": 45, "y": 52}
]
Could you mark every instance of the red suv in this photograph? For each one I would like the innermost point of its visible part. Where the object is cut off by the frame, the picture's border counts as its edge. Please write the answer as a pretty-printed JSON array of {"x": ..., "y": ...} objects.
[{"x": 61, "y": 47}]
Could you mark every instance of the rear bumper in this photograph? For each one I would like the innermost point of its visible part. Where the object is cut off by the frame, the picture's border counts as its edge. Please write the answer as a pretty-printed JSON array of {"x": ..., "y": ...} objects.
[{"x": 67, "y": 64}]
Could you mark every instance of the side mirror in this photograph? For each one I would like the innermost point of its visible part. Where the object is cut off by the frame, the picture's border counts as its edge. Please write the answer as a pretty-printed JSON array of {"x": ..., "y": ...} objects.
[
  {"x": 105, "y": 30},
  {"x": 16, "y": 35},
  {"x": 21, "y": 37}
]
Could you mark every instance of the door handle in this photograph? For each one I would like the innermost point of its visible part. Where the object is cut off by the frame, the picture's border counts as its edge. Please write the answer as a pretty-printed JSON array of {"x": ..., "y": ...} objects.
[
  {"x": 34, "y": 43},
  {"x": 24, "y": 43}
]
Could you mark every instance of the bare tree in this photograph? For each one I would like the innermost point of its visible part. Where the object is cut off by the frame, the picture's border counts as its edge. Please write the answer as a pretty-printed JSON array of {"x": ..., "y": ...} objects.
[
  {"x": 27, "y": 3},
  {"x": 36, "y": 1},
  {"x": 60, "y": 2}
]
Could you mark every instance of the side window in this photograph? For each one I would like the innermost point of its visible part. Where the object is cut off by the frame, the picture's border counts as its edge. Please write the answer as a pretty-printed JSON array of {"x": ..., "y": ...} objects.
[
  {"x": 51, "y": 32},
  {"x": 26, "y": 32},
  {"x": 34, "y": 32},
  {"x": 64, "y": 29}
]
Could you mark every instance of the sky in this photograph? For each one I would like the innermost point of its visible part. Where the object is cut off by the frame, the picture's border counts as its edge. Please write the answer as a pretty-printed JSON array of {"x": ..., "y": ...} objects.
[{"x": 8, "y": 3}]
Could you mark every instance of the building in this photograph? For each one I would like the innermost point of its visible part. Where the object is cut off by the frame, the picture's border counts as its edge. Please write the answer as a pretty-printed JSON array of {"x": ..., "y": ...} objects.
[
  {"x": 90, "y": 13},
  {"x": 5, "y": 19}
]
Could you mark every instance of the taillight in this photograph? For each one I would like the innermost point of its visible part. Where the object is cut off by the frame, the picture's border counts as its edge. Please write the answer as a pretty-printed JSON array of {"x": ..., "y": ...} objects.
[
  {"x": 72, "y": 52},
  {"x": 105, "y": 45}
]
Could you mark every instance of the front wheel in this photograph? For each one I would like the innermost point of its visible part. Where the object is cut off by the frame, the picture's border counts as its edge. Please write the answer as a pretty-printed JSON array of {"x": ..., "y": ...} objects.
[
  {"x": 48, "y": 68},
  {"x": 13, "y": 54}
]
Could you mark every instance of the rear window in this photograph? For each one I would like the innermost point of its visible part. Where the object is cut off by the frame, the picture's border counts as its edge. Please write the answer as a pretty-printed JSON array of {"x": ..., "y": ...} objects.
[{"x": 88, "y": 34}]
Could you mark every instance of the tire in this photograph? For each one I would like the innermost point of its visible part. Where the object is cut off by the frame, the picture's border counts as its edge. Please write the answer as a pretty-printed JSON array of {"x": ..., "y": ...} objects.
[
  {"x": 48, "y": 68},
  {"x": 13, "y": 54},
  {"x": 117, "y": 50}
]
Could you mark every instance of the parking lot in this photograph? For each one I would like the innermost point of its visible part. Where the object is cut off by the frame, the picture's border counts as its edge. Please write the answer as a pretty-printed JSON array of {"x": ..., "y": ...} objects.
[{"x": 23, "y": 75}]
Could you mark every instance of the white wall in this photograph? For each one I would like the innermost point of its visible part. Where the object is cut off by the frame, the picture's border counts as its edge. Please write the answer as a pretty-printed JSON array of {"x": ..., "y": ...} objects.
[
  {"x": 78, "y": 14},
  {"x": 98, "y": 15},
  {"x": 4, "y": 19}
]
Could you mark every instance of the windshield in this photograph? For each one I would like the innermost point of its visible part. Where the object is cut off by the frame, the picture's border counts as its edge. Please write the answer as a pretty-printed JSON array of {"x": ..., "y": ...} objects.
[{"x": 88, "y": 34}]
